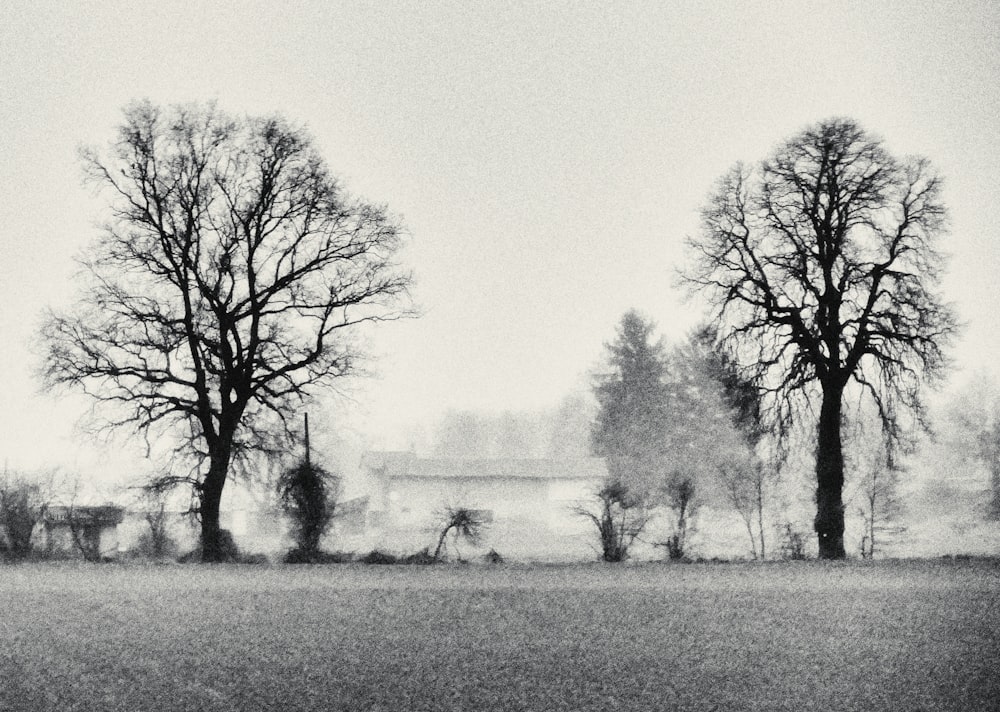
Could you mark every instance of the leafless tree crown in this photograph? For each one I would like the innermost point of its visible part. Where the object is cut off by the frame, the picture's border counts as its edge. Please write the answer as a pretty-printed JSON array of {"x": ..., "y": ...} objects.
[
  {"x": 822, "y": 265},
  {"x": 225, "y": 284}
]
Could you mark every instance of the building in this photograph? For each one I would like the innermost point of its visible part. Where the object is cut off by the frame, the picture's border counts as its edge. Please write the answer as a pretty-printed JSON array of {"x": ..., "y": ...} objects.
[
  {"x": 528, "y": 504},
  {"x": 79, "y": 531}
]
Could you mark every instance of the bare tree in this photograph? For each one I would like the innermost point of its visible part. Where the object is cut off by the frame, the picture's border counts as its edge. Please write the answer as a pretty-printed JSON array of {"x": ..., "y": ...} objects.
[
  {"x": 749, "y": 473},
  {"x": 156, "y": 542},
  {"x": 874, "y": 471},
  {"x": 223, "y": 290},
  {"x": 880, "y": 505},
  {"x": 971, "y": 433},
  {"x": 465, "y": 523},
  {"x": 822, "y": 270}
]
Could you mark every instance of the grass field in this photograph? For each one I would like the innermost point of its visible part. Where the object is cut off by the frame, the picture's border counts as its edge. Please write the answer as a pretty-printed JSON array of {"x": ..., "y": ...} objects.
[{"x": 796, "y": 636}]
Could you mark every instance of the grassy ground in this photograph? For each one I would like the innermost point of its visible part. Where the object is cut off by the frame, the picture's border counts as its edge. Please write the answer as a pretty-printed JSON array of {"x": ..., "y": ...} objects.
[{"x": 807, "y": 636}]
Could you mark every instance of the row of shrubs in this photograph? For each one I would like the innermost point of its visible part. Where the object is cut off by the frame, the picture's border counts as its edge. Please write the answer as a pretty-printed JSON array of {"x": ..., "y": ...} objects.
[{"x": 424, "y": 557}]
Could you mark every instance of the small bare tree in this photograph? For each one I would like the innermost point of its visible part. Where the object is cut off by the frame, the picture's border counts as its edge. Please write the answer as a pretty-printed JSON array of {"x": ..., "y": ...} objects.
[
  {"x": 681, "y": 501},
  {"x": 746, "y": 484},
  {"x": 620, "y": 518},
  {"x": 155, "y": 542},
  {"x": 880, "y": 506},
  {"x": 465, "y": 523}
]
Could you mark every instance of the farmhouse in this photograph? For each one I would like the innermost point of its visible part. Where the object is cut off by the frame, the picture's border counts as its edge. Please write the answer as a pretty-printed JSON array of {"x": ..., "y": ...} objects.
[
  {"x": 528, "y": 503},
  {"x": 68, "y": 531}
]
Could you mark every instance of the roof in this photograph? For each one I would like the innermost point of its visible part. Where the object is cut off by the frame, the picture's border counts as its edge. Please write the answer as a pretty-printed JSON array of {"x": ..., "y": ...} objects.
[
  {"x": 104, "y": 515},
  {"x": 396, "y": 464}
]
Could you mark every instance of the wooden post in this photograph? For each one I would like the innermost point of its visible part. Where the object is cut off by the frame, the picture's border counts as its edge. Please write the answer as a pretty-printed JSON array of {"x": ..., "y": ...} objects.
[{"x": 308, "y": 463}]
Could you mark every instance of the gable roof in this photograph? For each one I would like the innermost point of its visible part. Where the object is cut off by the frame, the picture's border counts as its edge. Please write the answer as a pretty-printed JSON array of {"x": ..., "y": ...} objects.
[{"x": 393, "y": 464}]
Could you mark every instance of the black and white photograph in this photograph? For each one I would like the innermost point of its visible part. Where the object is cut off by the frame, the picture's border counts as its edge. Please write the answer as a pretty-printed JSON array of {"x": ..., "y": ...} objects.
[{"x": 499, "y": 356}]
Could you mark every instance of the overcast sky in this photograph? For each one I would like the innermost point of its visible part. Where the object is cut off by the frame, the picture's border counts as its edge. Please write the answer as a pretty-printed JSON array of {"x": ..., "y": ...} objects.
[{"x": 548, "y": 160}]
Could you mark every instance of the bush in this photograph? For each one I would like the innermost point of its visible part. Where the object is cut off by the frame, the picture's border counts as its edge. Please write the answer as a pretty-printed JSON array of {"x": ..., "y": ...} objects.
[
  {"x": 298, "y": 556},
  {"x": 308, "y": 494},
  {"x": 257, "y": 559},
  {"x": 620, "y": 519},
  {"x": 422, "y": 558},
  {"x": 153, "y": 546},
  {"x": 377, "y": 556},
  {"x": 675, "y": 548},
  {"x": 21, "y": 507},
  {"x": 493, "y": 557},
  {"x": 793, "y": 543},
  {"x": 230, "y": 553}
]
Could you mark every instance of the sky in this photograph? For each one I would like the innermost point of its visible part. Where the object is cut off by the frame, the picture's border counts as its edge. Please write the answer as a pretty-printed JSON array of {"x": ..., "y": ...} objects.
[{"x": 547, "y": 159}]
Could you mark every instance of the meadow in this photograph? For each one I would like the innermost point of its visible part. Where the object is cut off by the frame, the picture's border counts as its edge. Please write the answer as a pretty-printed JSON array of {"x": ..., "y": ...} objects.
[{"x": 909, "y": 635}]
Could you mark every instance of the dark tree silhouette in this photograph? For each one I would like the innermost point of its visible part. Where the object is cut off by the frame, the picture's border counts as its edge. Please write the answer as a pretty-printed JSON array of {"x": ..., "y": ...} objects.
[
  {"x": 464, "y": 522},
  {"x": 223, "y": 290},
  {"x": 822, "y": 269},
  {"x": 22, "y": 506},
  {"x": 308, "y": 494}
]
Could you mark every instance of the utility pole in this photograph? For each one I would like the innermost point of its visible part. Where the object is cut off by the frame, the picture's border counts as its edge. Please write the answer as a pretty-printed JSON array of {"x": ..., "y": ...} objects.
[{"x": 308, "y": 462}]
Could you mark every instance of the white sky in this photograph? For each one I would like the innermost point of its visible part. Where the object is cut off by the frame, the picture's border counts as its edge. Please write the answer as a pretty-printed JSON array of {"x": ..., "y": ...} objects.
[{"x": 548, "y": 159}]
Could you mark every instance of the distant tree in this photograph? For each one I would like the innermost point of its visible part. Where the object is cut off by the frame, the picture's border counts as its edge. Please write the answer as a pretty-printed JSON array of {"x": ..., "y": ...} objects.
[
  {"x": 22, "y": 505},
  {"x": 462, "y": 433},
  {"x": 874, "y": 471},
  {"x": 633, "y": 397},
  {"x": 971, "y": 433},
  {"x": 620, "y": 519},
  {"x": 748, "y": 471},
  {"x": 880, "y": 505},
  {"x": 823, "y": 273},
  {"x": 569, "y": 434},
  {"x": 224, "y": 291},
  {"x": 464, "y": 523}
]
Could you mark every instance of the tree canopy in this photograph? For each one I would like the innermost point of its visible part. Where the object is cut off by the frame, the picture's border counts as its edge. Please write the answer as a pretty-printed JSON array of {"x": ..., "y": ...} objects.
[{"x": 630, "y": 428}]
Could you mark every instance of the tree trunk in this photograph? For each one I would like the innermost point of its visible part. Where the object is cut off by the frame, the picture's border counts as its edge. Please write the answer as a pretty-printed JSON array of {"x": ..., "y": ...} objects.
[
  {"x": 212, "y": 546},
  {"x": 440, "y": 544},
  {"x": 760, "y": 509},
  {"x": 829, "y": 523}
]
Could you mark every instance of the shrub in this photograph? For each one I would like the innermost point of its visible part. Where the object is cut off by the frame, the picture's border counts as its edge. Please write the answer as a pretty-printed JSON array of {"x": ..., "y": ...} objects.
[
  {"x": 675, "y": 547},
  {"x": 298, "y": 556},
  {"x": 377, "y": 556},
  {"x": 793, "y": 543},
  {"x": 493, "y": 557},
  {"x": 422, "y": 558},
  {"x": 228, "y": 550},
  {"x": 21, "y": 507},
  {"x": 621, "y": 517},
  {"x": 308, "y": 495},
  {"x": 152, "y": 546},
  {"x": 256, "y": 559}
]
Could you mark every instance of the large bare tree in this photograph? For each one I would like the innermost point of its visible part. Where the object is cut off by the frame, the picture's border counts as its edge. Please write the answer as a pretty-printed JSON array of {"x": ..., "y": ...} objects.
[
  {"x": 223, "y": 290},
  {"x": 823, "y": 273}
]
